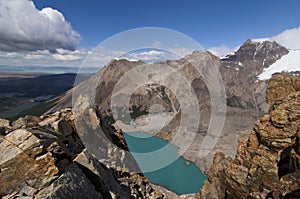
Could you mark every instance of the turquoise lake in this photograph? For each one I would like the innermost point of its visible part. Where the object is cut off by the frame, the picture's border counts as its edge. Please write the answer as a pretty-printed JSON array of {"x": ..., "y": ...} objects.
[{"x": 158, "y": 161}]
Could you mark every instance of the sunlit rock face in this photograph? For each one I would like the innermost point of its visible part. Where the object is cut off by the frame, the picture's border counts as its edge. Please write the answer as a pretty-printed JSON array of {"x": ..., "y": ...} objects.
[
  {"x": 267, "y": 164},
  {"x": 44, "y": 157}
]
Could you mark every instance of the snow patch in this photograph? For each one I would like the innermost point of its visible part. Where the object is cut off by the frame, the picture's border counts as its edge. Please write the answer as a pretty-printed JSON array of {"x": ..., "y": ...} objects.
[
  {"x": 260, "y": 40},
  {"x": 289, "y": 38},
  {"x": 287, "y": 63}
]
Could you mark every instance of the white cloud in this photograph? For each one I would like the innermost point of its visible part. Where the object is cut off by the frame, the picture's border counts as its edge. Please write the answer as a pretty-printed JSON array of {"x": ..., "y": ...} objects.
[
  {"x": 65, "y": 57},
  {"x": 181, "y": 52},
  {"x": 260, "y": 40},
  {"x": 156, "y": 44},
  {"x": 150, "y": 56},
  {"x": 289, "y": 38},
  {"x": 33, "y": 57},
  {"x": 222, "y": 51},
  {"x": 8, "y": 54},
  {"x": 23, "y": 27},
  {"x": 86, "y": 56},
  {"x": 43, "y": 58}
]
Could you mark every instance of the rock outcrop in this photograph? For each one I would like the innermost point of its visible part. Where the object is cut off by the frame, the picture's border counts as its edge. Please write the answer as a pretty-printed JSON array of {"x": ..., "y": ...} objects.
[
  {"x": 267, "y": 164},
  {"x": 35, "y": 150},
  {"x": 43, "y": 157},
  {"x": 281, "y": 86},
  {"x": 215, "y": 187}
]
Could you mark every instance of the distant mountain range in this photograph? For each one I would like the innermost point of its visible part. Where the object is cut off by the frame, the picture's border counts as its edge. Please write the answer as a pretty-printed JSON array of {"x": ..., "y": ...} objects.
[{"x": 243, "y": 73}]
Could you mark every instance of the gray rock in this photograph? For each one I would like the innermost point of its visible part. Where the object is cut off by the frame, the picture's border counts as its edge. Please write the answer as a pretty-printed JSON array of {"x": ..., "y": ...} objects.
[
  {"x": 102, "y": 177},
  {"x": 71, "y": 184},
  {"x": 4, "y": 123}
]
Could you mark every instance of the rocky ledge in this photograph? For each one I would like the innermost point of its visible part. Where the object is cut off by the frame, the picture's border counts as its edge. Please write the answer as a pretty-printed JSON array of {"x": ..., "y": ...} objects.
[
  {"x": 43, "y": 157},
  {"x": 267, "y": 164}
]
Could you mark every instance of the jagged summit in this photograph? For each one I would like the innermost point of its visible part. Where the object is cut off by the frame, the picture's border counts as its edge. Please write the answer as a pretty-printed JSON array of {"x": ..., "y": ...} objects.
[
  {"x": 262, "y": 52},
  {"x": 116, "y": 62}
]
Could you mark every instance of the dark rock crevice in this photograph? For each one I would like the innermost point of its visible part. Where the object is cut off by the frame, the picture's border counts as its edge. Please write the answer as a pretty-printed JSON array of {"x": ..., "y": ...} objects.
[{"x": 293, "y": 195}]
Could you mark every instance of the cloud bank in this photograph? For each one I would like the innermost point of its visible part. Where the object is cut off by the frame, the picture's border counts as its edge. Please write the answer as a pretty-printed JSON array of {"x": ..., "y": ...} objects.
[
  {"x": 222, "y": 51},
  {"x": 147, "y": 56},
  {"x": 289, "y": 38},
  {"x": 25, "y": 28}
]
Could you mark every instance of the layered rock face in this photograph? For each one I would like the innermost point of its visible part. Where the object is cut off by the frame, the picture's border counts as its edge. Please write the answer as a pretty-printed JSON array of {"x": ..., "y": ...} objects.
[
  {"x": 35, "y": 150},
  {"x": 267, "y": 164},
  {"x": 45, "y": 158}
]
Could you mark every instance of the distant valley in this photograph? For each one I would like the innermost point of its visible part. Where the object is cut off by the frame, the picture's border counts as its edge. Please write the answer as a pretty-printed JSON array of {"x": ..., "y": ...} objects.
[{"x": 23, "y": 93}]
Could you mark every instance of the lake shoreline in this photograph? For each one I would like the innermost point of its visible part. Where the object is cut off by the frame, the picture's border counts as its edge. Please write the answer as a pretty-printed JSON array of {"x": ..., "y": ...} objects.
[{"x": 159, "y": 162}]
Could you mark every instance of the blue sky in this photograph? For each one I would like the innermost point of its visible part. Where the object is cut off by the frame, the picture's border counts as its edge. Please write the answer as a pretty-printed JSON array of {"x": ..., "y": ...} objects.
[
  {"x": 65, "y": 32},
  {"x": 211, "y": 23}
]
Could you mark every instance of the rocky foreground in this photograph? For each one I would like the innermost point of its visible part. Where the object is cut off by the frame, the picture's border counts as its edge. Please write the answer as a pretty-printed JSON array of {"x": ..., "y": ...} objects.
[
  {"x": 43, "y": 157},
  {"x": 267, "y": 164}
]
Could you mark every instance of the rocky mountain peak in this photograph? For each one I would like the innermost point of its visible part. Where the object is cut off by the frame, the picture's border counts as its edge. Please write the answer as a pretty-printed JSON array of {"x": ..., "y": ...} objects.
[
  {"x": 201, "y": 53},
  {"x": 248, "y": 41},
  {"x": 119, "y": 62},
  {"x": 264, "y": 53},
  {"x": 241, "y": 69}
]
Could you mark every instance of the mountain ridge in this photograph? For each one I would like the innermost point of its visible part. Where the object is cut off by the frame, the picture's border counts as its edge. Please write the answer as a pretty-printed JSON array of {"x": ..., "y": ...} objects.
[{"x": 245, "y": 95}]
